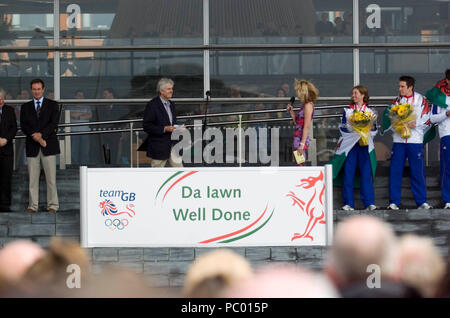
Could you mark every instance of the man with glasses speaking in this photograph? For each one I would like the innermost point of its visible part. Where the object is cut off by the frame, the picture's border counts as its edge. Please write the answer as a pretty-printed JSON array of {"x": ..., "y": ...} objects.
[{"x": 159, "y": 122}]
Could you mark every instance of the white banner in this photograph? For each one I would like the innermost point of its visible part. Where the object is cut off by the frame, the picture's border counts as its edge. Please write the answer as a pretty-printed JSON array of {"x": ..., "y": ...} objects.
[{"x": 205, "y": 207}]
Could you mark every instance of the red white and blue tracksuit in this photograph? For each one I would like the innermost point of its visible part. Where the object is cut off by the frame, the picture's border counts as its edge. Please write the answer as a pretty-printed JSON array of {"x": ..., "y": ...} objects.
[
  {"x": 439, "y": 116},
  {"x": 358, "y": 157},
  {"x": 412, "y": 149}
]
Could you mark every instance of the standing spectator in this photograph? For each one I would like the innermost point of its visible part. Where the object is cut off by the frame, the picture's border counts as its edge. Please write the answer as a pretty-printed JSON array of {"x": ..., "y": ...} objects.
[
  {"x": 324, "y": 27},
  {"x": 421, "y": 266},
  {"x": 439, "y": 96},
  {"x": 50, "y": 94},
  {"x": 280, "y": 93},
  {"x": 8, "y": 129},
  {"x": 80, "y": 143},
  {"x": 20, "y": 143},
  {"x": 23, "y": 94},
  {"x": 353, "y": 152},
  {"x": 9, "y": 96},
  {"x": 307, "y": 93},
  {"x": 410, "y": 148},
  {"x": 259, "y": 116},
  {"x": 348, "y": 23},
  {"x": 160, "y": 121},
  {"x": 113, "y": 142},
  {"x": 360, "y": 241},
  {"x": 15, "y": 259},
  {"x": 286, "y": 88},
  {"x": 284, "y": 281},
  {"x": 339, "y": 26},
  {"x": 211, "y": 274},
  {"x": 39, "y": 122},
  {"x": 38, "y": 60},
  {"x": 50, "y": 271}
]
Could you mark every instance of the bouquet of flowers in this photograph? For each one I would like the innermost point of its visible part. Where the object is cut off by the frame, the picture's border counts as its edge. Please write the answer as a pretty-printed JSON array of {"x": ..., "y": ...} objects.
[
  {"x": 362, "y": 123},
  {"x": 401, "y": 115}
]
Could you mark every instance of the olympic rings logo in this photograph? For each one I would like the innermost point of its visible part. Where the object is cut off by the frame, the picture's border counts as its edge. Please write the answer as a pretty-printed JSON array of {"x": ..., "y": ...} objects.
[{"x": 116, "y": 224}]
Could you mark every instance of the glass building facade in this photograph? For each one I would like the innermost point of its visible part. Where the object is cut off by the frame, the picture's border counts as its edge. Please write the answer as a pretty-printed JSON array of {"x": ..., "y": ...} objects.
[{"x": 242, "y": 52}]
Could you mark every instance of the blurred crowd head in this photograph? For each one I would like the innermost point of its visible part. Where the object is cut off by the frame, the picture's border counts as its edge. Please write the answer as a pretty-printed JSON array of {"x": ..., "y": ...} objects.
[{"x": 410, "y": 266}]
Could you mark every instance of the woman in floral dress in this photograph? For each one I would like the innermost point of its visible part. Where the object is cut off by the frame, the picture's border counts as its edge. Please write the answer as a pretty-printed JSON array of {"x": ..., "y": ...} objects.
[{"x": 307, "y": 93}]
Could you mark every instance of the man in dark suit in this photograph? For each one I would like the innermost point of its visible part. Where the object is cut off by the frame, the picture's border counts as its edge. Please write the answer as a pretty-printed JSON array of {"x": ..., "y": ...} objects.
[
  {"x": 8, "y": 129},
  {"x": 159, "y": 122},
  {"x": 39, "y": 122}
]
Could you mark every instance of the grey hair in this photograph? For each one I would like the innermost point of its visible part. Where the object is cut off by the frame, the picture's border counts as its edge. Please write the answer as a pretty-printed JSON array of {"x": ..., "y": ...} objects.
[
  {"x": 2, "y": 92},
  {"x": 162, "y": 84}
]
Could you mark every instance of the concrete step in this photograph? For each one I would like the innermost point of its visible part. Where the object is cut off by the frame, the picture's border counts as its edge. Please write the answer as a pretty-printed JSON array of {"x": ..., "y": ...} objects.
[
  {"x": 63, "y": 206},
  {"x": 69, "y": 186},
  {"x": 383, "y": 193}
]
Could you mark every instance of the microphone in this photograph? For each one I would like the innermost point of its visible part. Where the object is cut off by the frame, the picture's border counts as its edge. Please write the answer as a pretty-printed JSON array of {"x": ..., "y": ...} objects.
[{"x": 291, "y": 101}]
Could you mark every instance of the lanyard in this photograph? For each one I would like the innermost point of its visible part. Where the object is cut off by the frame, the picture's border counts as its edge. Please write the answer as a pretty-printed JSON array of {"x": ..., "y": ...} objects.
[
  {"x": 407, "y": 98},
  {"x": 363, "y": 107}
]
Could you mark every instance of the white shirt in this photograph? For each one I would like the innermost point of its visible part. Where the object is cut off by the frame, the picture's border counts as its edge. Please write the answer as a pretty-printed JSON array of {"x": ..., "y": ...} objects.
[{"x": 40, "y": 102}]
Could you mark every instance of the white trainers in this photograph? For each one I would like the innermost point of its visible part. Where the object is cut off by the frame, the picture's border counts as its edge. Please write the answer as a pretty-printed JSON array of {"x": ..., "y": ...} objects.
[
  {"x": 371, "y": 207},
  {"x": 347, "y": 208},
  {"x": 447, "y": 206},
  {"x": 393, "y": 206},
  {"x": 425, "y": 206}
]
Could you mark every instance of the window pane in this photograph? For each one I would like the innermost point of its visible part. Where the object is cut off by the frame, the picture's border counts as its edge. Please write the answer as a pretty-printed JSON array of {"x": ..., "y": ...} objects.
[
  {"x": 25, "y": 26},
  {"x": 281, "y": 21},
  {"x": 131, "y": 22},
  {"x": 404, "y": 21},
  {"x": 381, "y": 68},
  {"x": 131, "y": 74},
  {"x": 29, "y": 24},
  {"x": 19, "y": 68},
  {"x": 259, "y": 72}
]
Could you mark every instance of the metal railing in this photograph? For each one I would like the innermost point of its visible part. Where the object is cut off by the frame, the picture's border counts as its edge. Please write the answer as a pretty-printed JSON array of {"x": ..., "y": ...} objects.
[{"x": 64, "y": 128}]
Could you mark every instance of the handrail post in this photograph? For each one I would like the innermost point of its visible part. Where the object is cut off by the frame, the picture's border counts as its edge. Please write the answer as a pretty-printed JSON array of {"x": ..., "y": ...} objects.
[
  {"x": 131, "y": 144},
  {"x": 240, "y": 141},
  {"x": 137, "y": 152},
  {"x": 312, "y": 149},
  {"x": 67, "y": 139},
  {"x": 14, "y": 154}
]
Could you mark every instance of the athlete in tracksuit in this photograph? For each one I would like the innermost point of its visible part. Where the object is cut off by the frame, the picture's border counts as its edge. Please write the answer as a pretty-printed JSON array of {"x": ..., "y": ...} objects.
[
  {"x": 410, "y": 148},
  {"x": 358, "y": 156},
  {"x": 440, "y": 115}
]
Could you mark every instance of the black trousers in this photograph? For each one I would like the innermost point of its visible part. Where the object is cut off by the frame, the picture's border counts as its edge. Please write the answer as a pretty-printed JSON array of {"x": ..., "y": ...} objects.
[{"x": 6, "y": 171}]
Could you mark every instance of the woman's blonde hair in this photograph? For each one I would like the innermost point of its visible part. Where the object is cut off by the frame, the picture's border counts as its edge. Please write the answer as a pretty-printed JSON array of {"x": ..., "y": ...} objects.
[{"x": 306, "y": 91}]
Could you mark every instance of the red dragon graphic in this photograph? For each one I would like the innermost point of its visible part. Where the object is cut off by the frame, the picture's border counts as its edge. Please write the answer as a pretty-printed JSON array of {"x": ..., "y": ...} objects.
[{"x": 310, "y": 207}]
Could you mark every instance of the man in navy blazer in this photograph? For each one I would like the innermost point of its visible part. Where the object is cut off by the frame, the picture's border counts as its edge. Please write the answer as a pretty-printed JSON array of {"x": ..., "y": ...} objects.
[
  {"x": 39, "y": 122},
  {"x": 159, "y": 122},
  {"x": 8, "y": 129}
]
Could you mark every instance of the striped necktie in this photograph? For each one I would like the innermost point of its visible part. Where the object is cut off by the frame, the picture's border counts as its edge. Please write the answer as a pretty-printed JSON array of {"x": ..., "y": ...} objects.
[
  {"x": 169, "y": 112},
  {"x": 38, "y": 108}
]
